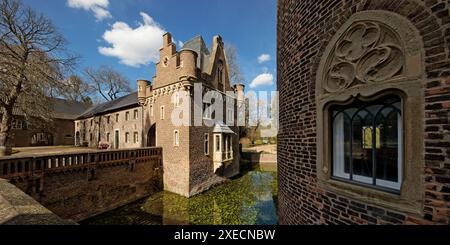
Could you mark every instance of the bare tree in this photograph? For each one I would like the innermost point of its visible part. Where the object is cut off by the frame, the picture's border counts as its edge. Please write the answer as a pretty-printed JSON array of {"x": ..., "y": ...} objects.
[
  {"x": 234, "y": 71},
  {"x": 74, "y": 88},
  {"x": 109, "y": 83},
  {"x": 33, "y": 59}
]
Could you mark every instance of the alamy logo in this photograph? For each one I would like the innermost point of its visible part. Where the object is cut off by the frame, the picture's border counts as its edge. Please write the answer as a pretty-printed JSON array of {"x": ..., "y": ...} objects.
[{"x": 200, "y": 108}]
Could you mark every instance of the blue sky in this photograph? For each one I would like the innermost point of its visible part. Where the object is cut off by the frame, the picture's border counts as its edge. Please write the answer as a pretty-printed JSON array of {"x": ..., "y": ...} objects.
[{"x": 125, "y": 34}]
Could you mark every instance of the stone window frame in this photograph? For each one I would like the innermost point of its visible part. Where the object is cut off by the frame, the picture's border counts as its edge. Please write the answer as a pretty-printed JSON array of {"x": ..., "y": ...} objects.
[
  {"x": 408, "y": 85},
  {"x": 136, "y": 137},
  {"x": 161, "y": 113},
  {"x": 350, "y": 103},
  {"x": 136, "y": 114},
  {"x": 127, "y": 137},
  {"x": 230, "y": 116},
  {"x": 127, "y": 115},
  {"x": 176, "y": 138},
  {"x": 177, "y": 99}
]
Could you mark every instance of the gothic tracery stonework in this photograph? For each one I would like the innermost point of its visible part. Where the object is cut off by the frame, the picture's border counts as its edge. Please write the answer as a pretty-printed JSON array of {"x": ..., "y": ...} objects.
[
  {"x": 367, "y": 52},
  {"x": 371, "y": 48}
]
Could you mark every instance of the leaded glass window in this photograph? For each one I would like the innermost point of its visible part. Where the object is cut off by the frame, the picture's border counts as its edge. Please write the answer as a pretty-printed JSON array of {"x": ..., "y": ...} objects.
[{"x": 367, "y": 142}]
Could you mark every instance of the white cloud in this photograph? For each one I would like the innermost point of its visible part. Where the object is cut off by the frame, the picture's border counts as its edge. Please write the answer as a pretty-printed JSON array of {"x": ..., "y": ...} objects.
[
  {"x": 134, "y": 47},
  {"x": 264, "y": 58},
  {"x": 98, "y": 7},
  {"x": 180, "y": 44},
  {"x": 264, "y": 79}
]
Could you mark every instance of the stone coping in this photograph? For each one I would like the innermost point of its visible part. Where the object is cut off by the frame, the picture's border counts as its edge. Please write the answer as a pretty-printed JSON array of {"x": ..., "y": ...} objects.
[
  {"x": 80, "y": 152},
  {"x": 17, "y": 208}
]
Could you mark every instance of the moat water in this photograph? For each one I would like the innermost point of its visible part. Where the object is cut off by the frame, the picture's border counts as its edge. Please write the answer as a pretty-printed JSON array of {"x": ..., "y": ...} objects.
[{"x": 250, "y": 199}]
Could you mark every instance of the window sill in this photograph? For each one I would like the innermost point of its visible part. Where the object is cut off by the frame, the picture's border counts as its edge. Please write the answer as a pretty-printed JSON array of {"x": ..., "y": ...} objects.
[
  {"x": 373, "y": 195},
  {"x": 368, "y": 186}
]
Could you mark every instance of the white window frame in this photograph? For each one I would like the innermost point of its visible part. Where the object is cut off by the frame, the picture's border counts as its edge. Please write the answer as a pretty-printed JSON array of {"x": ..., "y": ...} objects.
[
  {"x": 176, "y": 138},
  {"x": 217, "y": 144}
]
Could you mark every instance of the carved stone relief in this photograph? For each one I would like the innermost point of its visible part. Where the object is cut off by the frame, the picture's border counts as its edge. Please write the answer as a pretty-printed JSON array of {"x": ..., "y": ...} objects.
[
  {"x": 372, "y": 47},
  {"x": 368, "y": 52}
]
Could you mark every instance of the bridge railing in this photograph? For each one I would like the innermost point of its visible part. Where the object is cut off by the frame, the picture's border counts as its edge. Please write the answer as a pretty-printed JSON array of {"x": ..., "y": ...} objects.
[{"x": 12, "y": 167}]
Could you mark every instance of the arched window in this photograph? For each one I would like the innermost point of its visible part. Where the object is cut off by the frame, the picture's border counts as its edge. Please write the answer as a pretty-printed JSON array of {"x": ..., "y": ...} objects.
[
  {"x": 367, "y": 142},
  {"x": 369, "y": 101}
]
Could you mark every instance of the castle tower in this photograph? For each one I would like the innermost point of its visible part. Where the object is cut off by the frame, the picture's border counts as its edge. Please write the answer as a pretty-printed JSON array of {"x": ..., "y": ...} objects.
[
  {"x": 188, "y": 66},
  {"x": 142, "y": 91},
  {"x": 240, "y": 96}
]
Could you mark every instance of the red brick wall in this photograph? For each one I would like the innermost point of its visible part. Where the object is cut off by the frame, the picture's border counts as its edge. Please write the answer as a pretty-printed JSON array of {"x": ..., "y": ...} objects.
[
  {"x": 304, "y": 30},
  {"x": 60, "y": 129},
  {"x": 83, "y": 190}
]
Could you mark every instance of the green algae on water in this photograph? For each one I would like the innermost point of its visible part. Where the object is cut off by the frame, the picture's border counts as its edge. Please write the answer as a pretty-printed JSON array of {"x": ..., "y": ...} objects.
[{"x": 246, "y": 200}]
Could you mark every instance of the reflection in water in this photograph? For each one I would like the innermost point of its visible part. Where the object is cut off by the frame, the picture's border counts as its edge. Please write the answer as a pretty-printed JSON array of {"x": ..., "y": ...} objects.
[{"x": 249, "y": 199}]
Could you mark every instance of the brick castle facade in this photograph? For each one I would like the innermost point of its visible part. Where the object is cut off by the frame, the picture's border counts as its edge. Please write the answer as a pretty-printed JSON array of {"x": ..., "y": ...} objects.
[
  {"x": 194, "y": 157},
  {"x": 338, "y": 62}
]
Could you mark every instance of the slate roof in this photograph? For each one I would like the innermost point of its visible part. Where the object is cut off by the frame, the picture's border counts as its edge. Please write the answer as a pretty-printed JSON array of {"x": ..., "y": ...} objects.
[
  {"x": 110, "y": 106},
  {"x": 65, "y": 109},
  {"x": 198, "y": 45}
]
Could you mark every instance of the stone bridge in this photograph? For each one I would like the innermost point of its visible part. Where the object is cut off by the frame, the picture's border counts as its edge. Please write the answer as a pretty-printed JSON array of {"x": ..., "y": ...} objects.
[{"x": 80, "y": 185}]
